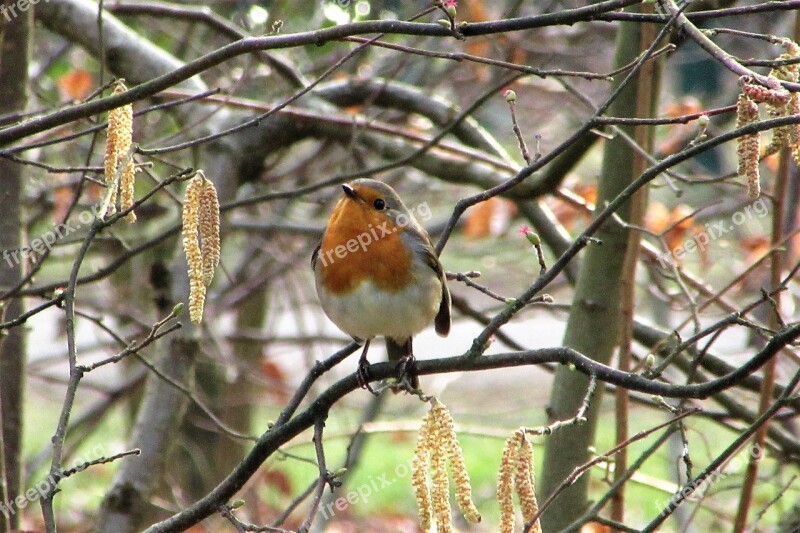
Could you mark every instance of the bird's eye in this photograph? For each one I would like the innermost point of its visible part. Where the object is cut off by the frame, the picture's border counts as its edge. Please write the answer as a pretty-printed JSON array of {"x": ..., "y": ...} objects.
[{"x": 379, "y": 204}]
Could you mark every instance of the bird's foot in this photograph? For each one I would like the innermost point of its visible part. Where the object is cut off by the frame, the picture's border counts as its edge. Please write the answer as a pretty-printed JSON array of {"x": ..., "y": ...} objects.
[
  {"x": 362, "y": 375},
  {"x": 407, "y": 374}
]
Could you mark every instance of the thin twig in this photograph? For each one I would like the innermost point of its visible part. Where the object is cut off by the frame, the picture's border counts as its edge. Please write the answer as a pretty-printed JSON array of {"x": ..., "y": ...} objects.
[
  {"x": 134, "y": 347},
  {"x": 262, "y": 117},
  {"x": 75, "y": 375},
  {"x": 99, "y": 461},
  {"x": 466, "y": 279},
  {"x": 18, "y": 288},
  {"x": 772, "y": 502},
  {"x": 227, "y": 512},
  {"x": 582, "y": 469},
  {"x": 22, "y": 318},
  {"x": 294, "y": 504},
  {"x": 458, "y": 56},
  {"x": 511, "y": 98},
  {"x": 687, "y": 490},
  {"x": 619, "y": 481},
  {"x": 325, "y": 477},
  {"x": 462, "y": 205},
  {"x": 718, "y": 53},
  {"x": 577, "y": 420}
]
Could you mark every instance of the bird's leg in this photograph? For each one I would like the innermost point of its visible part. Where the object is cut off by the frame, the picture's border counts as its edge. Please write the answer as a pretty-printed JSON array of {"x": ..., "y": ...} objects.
[
  {"x": 362, "y": 374},
  {"x": 406, "y": 368}
]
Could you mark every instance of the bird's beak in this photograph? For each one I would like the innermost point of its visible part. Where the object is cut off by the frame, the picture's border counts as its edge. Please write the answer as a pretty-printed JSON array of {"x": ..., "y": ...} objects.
[{"x": 349, "y": 191}]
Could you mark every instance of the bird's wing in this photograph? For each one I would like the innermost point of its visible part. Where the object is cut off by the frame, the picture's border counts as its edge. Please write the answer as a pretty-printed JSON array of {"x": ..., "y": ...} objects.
[{"x": 422, "y": 243}]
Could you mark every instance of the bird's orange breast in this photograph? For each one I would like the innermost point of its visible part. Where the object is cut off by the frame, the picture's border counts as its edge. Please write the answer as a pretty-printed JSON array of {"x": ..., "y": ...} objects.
[{"x": 361, "y": 244}]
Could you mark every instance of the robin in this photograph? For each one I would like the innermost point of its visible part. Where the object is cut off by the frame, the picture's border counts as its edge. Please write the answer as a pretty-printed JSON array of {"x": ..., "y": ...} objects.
[{"x": 377, "y": 274}]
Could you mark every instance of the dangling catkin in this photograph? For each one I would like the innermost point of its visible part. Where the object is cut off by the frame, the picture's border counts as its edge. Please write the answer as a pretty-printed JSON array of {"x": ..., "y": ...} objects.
[
  {"x": 516, "y": 474},
  {"x": 201, "y": 241},
  {"x": 209, "y": 230},
  {"x": 419, "y": 472},
  {"x": 525, "y": 485},
  {"x": 455, "y": 455},
  {"x": 794, "y": 129},
  {"x": 748, "y": 146},
  {"x": 505, "y": 482},
  {"x": 118, "y": 154},
  {"x": 440, "y": 490},
  {"x": 191, "y": 247},
  {"x": 437, "y": 445}
]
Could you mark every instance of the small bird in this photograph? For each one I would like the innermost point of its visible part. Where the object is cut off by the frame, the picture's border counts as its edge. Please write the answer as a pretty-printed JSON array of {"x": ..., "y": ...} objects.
[{"x": 377, "y": 274}]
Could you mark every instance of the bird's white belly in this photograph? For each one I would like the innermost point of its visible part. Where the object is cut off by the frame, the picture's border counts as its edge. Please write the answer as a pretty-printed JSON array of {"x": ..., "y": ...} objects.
[{"x": 368, "y": 312}]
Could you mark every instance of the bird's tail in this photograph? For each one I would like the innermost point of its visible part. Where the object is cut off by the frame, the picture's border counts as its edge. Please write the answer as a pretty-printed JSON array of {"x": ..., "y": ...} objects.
[{"x": 399, "y": 350}]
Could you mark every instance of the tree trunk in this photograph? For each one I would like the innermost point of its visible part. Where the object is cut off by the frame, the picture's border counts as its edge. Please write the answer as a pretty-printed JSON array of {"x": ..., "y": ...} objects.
[
  {"x": 15, "y": 39},
  {"x": 594, "y": 321}
]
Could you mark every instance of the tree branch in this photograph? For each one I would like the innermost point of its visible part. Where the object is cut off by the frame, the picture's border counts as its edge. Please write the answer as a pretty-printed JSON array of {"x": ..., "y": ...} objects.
[{"x": 289, "y": 428}]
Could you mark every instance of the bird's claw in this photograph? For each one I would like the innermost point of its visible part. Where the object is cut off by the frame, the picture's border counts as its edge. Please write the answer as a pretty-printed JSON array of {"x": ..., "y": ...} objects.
[
  {"x": 362, "y": 376},
  {"x": 406, "y": 373}
]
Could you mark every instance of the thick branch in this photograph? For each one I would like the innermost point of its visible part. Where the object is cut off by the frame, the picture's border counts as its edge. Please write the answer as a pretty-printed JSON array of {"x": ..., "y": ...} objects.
[
  {"x": 316, "y": 37},
  {"x": 279, "y": 434}
]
